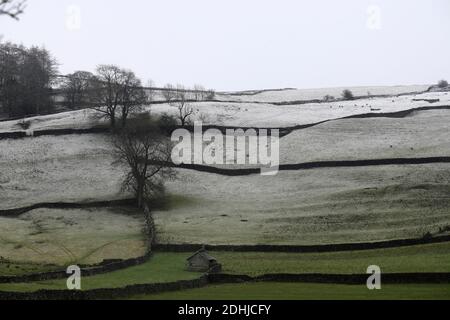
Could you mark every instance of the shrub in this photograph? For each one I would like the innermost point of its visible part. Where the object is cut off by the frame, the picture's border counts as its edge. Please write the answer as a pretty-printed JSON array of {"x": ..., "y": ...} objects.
[
  {"x": 25, "y": 125},
  {"x": 142, "y": 121},
  {"x": 204, "y": 118},
  {"x": 211, "y": 94},
  {"x": 328, "y": 98},
  {"x": 444, "y": 229},
  {"x": 443, "y": 84},
  {"x": 427, "y": 236},
  {"x": 167, "y": 123},
  {"x": 348, "y": 95}
]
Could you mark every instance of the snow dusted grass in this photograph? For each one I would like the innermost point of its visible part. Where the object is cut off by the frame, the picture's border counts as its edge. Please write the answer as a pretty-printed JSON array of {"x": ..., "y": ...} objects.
[
  {"x": 80, "y": 119},
  {"x": 304, "y": 207},
  {"x": 308, "y": 207},
  {"x": 64, "y": 237},
  {"x": 426, "y": 134},
  {"x": 314, "y": 94},
  {"x": 271, "y": 116},
  {"x": 75, "y": 168},
  {"x": 247, "y": 114},
  {"x": 70, "y": 168}
]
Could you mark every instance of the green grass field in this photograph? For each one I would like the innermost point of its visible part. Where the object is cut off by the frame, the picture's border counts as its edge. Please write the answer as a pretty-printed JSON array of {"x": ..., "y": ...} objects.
[
  {"x": 161, "y": 268},
  {"x": 423, "y": 258},
  {"x": 300, "y": 291},
  {"x": 168, "y": 267}
]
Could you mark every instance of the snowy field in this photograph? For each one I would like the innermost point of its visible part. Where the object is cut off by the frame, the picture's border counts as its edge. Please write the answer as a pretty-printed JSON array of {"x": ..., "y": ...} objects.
[
  {"x": 423, "y": 134},
  {"x": 312, "y": 206},
  {"x": 420, "y": 135},
  {"x": 57, "y": 169},
  {"x": 308, "y": 207},
  {"x": 287, "y": 95},
  {"x": 248, "y": 114},
  {"x": 294, "y": 207},
  {"x": 75, "y": 168},
  {"x": 272, "y": 116}
]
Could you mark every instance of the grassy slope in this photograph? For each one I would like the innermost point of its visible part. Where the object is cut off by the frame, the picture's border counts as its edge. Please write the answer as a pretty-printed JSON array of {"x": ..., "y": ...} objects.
[
  {"x": 76, "y": 236},
  {"x": 333, "y": 205},
  {"x": 70, "y": 168},
  {"x": 253, "y": 114},
  {"x": 357, "y": 139},
  {"x": 308, "y": 207},
  {"x": 425, "y": 134},
  {"x": 326, "y": 205},
  {"x": 166, "y": 267},
  {"x": 319, "y": 93},
  {"x": 300, "y": 291},
  {"x": 425, "y": 258},
  {"x": 17, "y": 269},
  {"x": 161, "y": 268}
]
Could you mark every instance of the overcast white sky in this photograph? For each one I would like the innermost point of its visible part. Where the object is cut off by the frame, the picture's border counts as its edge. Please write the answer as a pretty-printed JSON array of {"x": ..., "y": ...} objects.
[{"x": 246, "y": 44}]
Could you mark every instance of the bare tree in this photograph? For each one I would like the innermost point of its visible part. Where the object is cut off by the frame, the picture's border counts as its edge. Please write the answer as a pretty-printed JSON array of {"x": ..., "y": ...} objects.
[
  {"x": 182, "y": 103},
  {"x": 150, "y": 91},
  {"x": 115, "y": 90},
  {"x": 210, "y": 94},
  {"x": 12, "y": 8},
  {"x": 199, "y": 92},
  {"x": 133, "y": 97},
  {"x": 169, "y": 92},
  {"x": 146, "y": 153},
  {"x": 75, "y": 88},
  {"x": 106, "y": 91}
]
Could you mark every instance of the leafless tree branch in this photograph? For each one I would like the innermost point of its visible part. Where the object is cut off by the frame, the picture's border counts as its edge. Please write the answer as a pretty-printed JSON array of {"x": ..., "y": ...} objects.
[
  {"x": 12, "y": 8},
  {"x": 146, "y": 154}
]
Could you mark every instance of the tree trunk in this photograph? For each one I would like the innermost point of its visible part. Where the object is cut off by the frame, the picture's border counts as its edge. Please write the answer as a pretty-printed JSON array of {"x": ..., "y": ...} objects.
[
  {"x": 124, "y": 120},
  {"x": 113, "y": 121},
  {"x": 150, "y": 226},
  {"x": 140, "y": 195}
]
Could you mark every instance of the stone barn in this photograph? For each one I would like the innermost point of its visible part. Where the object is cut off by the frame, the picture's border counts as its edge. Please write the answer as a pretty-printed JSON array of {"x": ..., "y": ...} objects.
[{"x": 201, "y": 261}]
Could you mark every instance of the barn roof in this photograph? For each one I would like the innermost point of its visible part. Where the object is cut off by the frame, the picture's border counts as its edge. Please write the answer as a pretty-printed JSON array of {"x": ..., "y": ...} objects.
[{"x": 204, "y": 254}]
